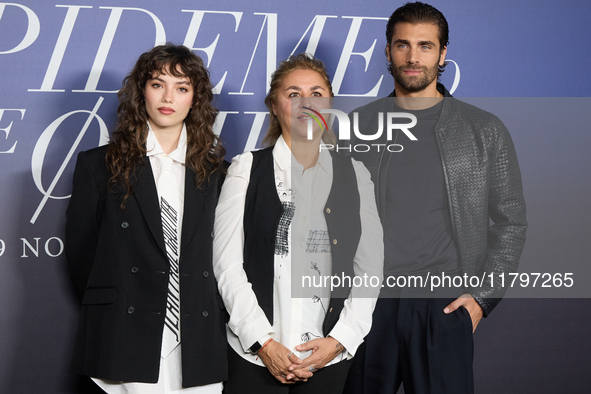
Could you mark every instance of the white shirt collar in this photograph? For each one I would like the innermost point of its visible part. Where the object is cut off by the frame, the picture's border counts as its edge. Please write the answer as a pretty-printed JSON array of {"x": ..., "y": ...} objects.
[
  {"x": 285, "y": 159},
  {"x": 325, "y": 160},
  {"x": 153, "y": 147},
  {"x": 282, "y": 154}
]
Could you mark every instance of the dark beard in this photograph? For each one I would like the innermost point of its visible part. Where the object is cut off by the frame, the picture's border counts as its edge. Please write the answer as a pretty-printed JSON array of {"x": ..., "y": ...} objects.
[{"x": 418, "y": 83}]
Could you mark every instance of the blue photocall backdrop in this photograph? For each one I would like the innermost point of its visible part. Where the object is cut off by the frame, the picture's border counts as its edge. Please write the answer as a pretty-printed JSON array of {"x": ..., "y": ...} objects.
[{"x": 61, "y": 64}]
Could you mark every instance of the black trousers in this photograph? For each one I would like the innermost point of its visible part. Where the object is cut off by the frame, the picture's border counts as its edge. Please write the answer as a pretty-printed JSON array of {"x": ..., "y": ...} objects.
[
  {"x": 247, "y": 378},
  {"x": 414, "y": 343}
]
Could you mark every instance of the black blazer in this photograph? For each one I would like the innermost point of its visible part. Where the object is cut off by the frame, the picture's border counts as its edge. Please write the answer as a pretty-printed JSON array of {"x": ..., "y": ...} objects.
[{"x": 117, "y": 260}]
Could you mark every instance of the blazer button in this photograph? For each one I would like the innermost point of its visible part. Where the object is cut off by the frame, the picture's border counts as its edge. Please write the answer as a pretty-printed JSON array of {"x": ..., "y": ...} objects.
[
  {"x": 205, "y": 274},
  {"x": 124, "y": 225},
  {"x": 134, "y": 270},
  {"x": 130, "y": 310},
  {"x": 212, "y": 234},
  {"x": 334, "y": 241},
  {"x": 327, "y": 210},
  {"x": 205, "y": 314}
]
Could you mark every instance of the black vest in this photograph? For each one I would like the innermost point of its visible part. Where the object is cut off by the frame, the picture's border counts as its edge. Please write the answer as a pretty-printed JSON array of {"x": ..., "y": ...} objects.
[{"x": 262, "y": 213}]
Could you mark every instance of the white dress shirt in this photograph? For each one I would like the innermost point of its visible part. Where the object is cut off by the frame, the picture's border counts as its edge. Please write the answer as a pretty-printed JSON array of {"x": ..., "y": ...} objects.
[
  {"x": 170, "y": 376},
  {"x": 296, "y": 320}
]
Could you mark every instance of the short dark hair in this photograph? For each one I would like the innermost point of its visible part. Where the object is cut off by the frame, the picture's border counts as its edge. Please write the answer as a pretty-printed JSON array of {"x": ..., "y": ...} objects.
[{"x": 415, "y": 13}]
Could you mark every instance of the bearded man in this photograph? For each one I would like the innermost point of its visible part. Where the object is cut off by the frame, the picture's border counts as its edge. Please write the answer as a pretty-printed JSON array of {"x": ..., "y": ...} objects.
[{"x": 451, "y": 204}]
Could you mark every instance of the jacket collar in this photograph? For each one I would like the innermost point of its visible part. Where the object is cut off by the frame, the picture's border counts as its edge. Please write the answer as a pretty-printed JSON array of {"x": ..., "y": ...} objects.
[{"x": 144, "y": 190}]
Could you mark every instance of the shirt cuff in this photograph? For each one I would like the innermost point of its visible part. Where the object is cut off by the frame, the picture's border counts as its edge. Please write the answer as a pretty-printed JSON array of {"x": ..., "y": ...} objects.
[
  {"x": 256, "y": 331},
  {"x": 347, "y": 337}
]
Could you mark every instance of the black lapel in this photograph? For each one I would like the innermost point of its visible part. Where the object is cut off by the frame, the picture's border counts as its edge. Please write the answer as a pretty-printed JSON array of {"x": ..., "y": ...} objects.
[
  {"x": 144, "y": 190},
  {"x": 193, "y": 207}
]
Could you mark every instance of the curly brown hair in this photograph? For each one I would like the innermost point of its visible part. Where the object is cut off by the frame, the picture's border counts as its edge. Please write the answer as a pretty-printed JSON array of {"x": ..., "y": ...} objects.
[
  {"x": 127, "y": 148},
  {"x": 301, "y": 61}
]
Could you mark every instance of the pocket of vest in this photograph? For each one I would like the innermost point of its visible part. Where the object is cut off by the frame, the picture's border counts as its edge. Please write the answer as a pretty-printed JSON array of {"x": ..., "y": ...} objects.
[{"x": 99, "y": 296}]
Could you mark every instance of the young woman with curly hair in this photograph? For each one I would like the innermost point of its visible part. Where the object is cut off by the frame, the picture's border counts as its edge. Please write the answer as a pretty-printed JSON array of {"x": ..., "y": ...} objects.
[{"x": 139, "y": 236}]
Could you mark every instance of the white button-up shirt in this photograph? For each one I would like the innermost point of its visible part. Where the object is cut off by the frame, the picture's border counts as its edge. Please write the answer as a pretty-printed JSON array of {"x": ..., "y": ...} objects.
[
  {"x": 303, "y": 195},
  {"x": 178, "y": 156}
]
